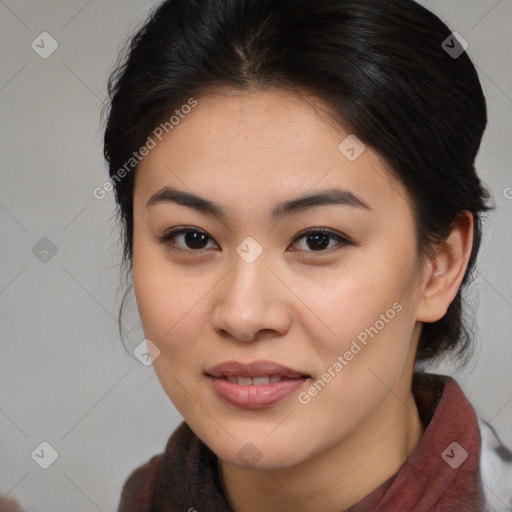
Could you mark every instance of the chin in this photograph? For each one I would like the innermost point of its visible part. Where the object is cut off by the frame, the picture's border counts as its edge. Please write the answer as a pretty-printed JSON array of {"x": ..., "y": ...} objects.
[{"x": 247, "y": 452}]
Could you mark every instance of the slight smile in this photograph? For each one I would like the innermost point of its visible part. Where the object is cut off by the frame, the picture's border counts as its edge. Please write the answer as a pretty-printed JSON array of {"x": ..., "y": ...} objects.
[{"x": 254, "y": 385}]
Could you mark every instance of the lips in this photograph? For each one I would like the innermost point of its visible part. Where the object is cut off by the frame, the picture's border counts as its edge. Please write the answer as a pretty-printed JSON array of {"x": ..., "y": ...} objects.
[
  {"x": 254, "y": 385},
  {"x": 254, "y": 369}
]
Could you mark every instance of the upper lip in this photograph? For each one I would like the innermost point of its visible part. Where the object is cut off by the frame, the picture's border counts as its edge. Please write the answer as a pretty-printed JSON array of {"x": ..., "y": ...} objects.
[{"x": 253, "y": 369}]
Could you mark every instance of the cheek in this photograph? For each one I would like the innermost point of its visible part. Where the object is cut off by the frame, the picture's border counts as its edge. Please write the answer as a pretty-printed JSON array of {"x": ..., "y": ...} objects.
[
  {"x": 358, "y": 375},
  {"x": 169, "y": 310},
  {"x": 166, "y": 302},
  {"x": 168, "y": 313},
  {"x": 357, "y": 302},
  {"x": 369, "y": 315}
]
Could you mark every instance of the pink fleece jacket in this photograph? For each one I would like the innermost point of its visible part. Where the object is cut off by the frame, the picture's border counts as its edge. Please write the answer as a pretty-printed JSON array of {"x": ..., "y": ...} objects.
[{"x": 442, "y": 473}]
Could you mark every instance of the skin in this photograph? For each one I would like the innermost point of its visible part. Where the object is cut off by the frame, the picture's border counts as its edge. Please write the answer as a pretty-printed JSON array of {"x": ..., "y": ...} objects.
[{"x": 299, "y": 307}]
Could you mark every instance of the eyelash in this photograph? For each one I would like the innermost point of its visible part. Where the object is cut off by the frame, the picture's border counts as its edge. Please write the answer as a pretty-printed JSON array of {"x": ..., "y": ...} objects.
[{"x": 166, "y": 239}]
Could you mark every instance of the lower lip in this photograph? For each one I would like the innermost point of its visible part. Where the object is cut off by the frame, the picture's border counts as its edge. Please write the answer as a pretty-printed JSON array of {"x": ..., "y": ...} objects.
[{"x": 255, "y": 397}]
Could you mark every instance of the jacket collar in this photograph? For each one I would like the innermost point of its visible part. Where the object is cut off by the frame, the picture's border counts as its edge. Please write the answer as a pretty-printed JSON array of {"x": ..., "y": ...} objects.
[{"x": 442, "y": 473}]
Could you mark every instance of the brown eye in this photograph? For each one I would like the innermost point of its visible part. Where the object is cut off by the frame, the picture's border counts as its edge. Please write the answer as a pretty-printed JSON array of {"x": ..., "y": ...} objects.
[
  {"x": 192, "y": 239},
  {"x": 318, "y": 240}
]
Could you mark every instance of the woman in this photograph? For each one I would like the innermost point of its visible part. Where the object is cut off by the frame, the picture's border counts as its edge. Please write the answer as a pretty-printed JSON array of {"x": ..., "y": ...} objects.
[{"x": 301, "y": 214}]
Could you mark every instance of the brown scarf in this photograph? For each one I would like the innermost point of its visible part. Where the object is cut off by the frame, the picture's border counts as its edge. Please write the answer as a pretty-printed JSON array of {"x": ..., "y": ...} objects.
[{"x": 442, "y": 474}]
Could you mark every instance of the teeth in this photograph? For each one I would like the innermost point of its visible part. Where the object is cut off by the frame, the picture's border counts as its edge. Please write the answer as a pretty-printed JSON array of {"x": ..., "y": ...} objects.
[{"x": 256, "y": 381}]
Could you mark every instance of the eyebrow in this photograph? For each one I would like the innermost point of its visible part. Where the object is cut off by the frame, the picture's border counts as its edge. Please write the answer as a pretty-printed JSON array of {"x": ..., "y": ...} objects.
[{"x": 300, "y": 204}]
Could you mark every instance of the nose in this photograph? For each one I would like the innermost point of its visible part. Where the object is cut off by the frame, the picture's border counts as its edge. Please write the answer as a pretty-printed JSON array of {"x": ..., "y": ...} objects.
[{"x": 251, "y": 302}]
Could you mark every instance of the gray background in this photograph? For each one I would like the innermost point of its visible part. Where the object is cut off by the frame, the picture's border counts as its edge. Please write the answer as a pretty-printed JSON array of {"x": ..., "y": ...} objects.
[{"x": 65, "y": 377}]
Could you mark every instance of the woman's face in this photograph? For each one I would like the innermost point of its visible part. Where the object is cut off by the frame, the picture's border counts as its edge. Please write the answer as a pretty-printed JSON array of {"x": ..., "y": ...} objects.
[{"x": 251, "y": 286}]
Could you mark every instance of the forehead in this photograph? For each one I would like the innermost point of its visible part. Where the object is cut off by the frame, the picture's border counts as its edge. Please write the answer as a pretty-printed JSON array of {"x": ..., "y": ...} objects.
[{"x": 267, "y": 141}]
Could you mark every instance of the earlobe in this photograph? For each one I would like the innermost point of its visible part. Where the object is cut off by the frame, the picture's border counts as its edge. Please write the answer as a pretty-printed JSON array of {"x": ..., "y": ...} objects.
[{"x": 447, "y": 270}]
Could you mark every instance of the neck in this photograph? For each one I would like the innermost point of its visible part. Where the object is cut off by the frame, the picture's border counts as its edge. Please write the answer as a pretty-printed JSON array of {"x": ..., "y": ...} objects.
[{"x": 337, "y": 478}]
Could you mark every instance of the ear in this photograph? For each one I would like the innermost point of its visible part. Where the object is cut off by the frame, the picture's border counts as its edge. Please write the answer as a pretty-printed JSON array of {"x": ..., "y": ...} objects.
[{"x": 444, "y": 274}]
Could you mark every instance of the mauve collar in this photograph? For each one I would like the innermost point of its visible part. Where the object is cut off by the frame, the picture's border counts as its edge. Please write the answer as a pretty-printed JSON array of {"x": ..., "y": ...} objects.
[
  {"x": 437, "y": 476},
  {"x": 442, "y": 473}
]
